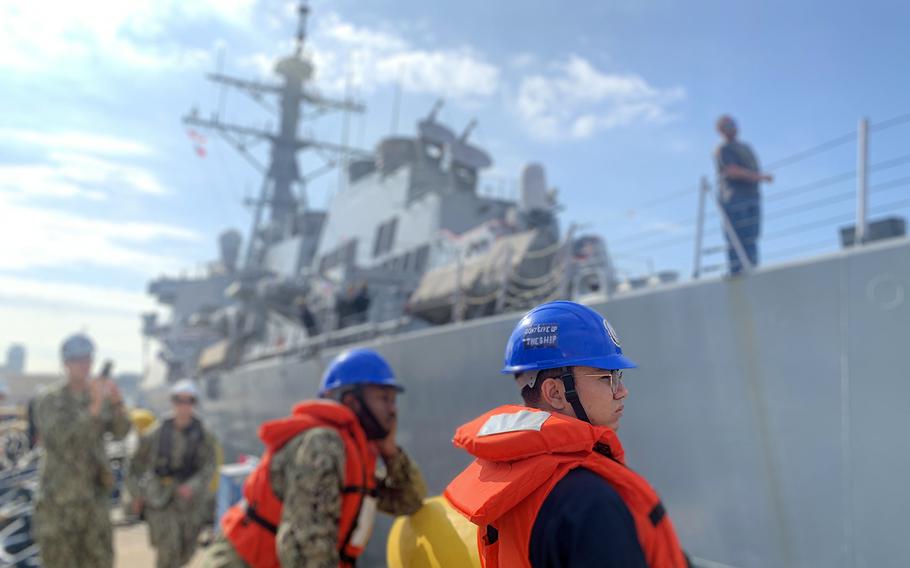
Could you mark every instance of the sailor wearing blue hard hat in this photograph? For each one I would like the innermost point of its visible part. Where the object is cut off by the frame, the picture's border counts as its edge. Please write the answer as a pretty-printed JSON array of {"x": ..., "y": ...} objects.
[
  {"x": 549, "y": 486},
  {"x": 362, "y": 380},
  {"x": 326, "y": 452}
]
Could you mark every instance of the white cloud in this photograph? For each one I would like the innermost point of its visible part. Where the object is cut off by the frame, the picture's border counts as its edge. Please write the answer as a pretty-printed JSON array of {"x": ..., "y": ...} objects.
[
  {"x": 43, "y": 180},
  {"x": 96, "y": 171},
  {"x": 61, "y": 295},
  {"x": 40, "y": 36},
  {"x": 75, "y": 140},
  {"x": 70, "y": 174},
  {"x": 45, "y": 237},
  {"x": 343, "y": 52},
  {"x": 336, "y": 30},
  {"x": 263, "y": 64},
  {"x": 458, "y": 73},
  {"x": 71, "y": 167},
  {"x": 577, "y": 101}
]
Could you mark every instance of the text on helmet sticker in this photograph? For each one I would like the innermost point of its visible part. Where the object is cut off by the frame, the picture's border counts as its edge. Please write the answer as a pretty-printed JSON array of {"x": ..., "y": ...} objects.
[{"x": 541, "y": 335}]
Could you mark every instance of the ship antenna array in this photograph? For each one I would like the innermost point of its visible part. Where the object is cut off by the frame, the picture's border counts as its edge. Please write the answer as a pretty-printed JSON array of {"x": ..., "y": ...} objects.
[
  {"x": 303, "y": 10},
  {"x": 297, "y": 101}
]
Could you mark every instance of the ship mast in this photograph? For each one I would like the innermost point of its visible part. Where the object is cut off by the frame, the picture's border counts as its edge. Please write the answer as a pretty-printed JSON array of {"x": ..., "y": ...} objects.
[{"x": 294, "y": 96}]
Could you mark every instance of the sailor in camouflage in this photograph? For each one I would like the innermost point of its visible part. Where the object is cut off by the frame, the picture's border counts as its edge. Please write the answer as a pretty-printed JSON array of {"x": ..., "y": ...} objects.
[
  {"x": 169, "y": 477},
  {"x": 71, "y": 522},
  {"x": 308, "y": 475}
]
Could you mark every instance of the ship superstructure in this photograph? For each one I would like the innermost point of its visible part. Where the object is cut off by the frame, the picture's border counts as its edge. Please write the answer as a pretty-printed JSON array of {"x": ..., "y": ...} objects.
[{"x": 409, "y": 239}]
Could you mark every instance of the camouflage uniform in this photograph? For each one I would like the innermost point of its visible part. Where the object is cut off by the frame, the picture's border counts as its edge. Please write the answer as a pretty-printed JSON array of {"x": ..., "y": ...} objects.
[
  {"x": 307, "y": 475},
  {"x": 174, "y": 523},
  {"x": 72, "y": 522}
]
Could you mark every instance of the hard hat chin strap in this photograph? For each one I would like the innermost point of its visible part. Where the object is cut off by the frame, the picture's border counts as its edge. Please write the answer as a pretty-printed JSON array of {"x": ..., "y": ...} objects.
[
  {"x": 371, "y": 426},
  {"x": 568, "y": 379}
]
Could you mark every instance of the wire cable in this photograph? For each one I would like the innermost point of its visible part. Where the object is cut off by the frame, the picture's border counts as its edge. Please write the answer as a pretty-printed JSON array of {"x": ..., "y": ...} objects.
[
  {"x": 787, "y": 160},
  {"x": 677, "y": 240},
  {"x": 822, "y": 183},
  {"x": 803, "y": 207},
  {"x": 811, "y": 152},
  {"x": 890, "y": 123},
  {"x": 842, "y": 218}
]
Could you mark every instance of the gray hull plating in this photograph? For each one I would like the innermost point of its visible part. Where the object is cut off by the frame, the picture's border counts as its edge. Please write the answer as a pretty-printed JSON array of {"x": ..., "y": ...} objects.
[{"x": 769, "y": 411}]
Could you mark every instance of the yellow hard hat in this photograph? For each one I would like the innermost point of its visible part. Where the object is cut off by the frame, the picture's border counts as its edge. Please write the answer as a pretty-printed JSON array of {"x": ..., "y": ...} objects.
[
  {"x": 436, "y": 536},
  {"x": 142, "y": 419}
]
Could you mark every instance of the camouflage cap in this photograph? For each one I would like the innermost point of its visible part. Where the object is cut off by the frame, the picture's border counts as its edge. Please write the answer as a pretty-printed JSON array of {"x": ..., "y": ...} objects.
[{"x": 77, "y": 346}]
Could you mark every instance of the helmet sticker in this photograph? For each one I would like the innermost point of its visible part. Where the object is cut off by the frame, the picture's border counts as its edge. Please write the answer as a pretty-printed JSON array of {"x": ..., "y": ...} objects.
[
  {"x": 541, "y": 335},
  {"x": 612, "y": 333}
]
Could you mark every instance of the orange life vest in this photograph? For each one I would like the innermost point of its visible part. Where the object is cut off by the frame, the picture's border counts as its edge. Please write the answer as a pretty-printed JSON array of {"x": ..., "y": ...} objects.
[
  {"x": 522, "y": 454},
  {"x": 251, "y": 525}
]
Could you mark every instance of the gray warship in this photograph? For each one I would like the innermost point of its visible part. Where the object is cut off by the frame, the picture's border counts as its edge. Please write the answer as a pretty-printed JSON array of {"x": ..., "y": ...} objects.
[{"x": 768, "y": 410}]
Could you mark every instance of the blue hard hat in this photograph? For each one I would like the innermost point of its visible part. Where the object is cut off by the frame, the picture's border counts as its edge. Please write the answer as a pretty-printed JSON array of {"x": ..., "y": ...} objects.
[
  {"x": 77, "y": 346},
  {"x": 358, "y": 367},
  {"x": 563, "y": 334}
]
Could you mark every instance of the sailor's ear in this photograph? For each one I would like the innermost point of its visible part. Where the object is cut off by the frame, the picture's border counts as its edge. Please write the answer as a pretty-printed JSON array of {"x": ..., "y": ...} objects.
[
  {"x": 349, "y": 399},
  {"x": 553, "y": 393}
]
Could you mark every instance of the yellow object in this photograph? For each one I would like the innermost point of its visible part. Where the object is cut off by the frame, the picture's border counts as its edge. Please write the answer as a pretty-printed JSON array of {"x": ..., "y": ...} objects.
[
  {"x": 219, "y": 461},
  {"x": 142, "y": 419},
  {"x": 436, "y": 536}
]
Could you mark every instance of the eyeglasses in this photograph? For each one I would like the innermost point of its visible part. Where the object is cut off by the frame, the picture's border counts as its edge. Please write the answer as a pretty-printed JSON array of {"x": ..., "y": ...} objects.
[
  {"x": 179, "y": 400},
  {"x": 614, "y": 376}
]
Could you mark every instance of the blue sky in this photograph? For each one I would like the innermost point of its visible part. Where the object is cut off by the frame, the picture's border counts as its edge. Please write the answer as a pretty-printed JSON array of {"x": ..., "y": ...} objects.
[{"x": 100, "y": 188}]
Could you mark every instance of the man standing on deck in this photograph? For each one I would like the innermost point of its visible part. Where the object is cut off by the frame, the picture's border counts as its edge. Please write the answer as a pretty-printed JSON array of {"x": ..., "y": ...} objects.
[
  {"x": 71, "y": 523},
  {"x": 549, "y": 487},
  {"x": 169, "y": 476},
  {"x": 312, "y": 499},
  {"x": 739, "y": 175}
]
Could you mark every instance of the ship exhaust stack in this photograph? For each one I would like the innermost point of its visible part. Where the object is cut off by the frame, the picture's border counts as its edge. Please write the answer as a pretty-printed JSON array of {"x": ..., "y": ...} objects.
[
  {"x": 229, "y": 250},
  {"x": 534, "y": 195}
]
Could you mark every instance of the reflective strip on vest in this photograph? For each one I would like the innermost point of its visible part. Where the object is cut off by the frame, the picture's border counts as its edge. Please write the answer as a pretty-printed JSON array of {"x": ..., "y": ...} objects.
[
  {"x": 514, "y": 422},
  {"x": 365, "y": 522}
]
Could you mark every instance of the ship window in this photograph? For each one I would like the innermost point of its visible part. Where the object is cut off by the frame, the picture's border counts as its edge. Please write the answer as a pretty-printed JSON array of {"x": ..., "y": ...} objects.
[
  {"x": 344, "y": 254},
  {"x": 385, "y": 237},
  {"x": 408, "y": 262},
  {"x": 423, "y": 254}
]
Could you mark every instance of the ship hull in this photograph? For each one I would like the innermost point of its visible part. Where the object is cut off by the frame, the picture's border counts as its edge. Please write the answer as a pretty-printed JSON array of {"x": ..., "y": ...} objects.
[{"x": 769, "y": 411}]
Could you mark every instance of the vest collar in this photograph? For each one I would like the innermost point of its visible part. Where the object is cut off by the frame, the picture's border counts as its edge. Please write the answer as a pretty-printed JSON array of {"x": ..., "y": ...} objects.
[
  {"x": 518, "y": 449},
  {"x": 312, "y": 414},
  {"x": 511, "y": 433},
  {"x": 327, "y": 410}
]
